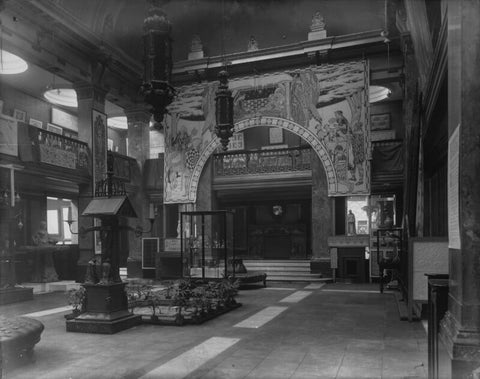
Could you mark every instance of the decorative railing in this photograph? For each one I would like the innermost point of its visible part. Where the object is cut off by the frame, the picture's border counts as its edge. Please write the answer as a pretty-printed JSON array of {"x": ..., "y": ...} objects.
[
  {"x": 54, "y": 149},
  {"x": 244, "y": 162}
]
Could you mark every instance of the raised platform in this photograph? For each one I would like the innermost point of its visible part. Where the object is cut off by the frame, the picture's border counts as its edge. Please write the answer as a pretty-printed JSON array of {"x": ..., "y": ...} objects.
[{"x": 15, "y": 294}]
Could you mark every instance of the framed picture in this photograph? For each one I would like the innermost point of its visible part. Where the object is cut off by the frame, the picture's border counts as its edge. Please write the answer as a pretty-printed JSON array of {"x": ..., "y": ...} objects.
[
  {"x": 54, "y": 128},
  {"x": 380, "y": 121},
  {"x": 236, "y": 142},
  {"x": 275, "y": 136},
  {"x": 64, "y": 119},
  {"x": 19, "y": 115},
  {"x": 36, "y": 123}
]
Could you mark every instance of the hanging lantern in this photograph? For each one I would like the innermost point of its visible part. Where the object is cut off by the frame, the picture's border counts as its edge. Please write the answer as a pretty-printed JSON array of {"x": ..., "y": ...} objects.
[
  {"x": 224, "y": 110},
  {"x": 156, "y": 87}
]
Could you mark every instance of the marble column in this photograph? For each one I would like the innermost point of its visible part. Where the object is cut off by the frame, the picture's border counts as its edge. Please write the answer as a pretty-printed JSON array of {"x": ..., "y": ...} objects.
[
  {"x": 90, "y": 98},
  {"x": 460, "y": 328},
  {"x": 321, "y": 217},
  {"x": 138, "y": 120}
]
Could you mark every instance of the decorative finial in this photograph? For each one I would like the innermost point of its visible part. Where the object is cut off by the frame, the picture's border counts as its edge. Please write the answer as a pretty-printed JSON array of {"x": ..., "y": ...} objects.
[
  {"x": 252, "y": 44},
  {"x": 196, "y": 48},
  {"x": 317, "y": 28}
]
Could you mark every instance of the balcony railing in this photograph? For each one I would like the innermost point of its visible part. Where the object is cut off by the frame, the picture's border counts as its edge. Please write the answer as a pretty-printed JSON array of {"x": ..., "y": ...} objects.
[
  {"x": 244, "y": 162},
  {"x": 48, "y": 147}
]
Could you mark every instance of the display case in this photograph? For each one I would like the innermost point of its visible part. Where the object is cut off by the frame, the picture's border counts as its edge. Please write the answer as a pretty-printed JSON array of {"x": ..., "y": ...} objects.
[
  {"x": 382, "y": 216},
  {"x": 207, "y": 244},
  {"x": 388, "y": 253}
]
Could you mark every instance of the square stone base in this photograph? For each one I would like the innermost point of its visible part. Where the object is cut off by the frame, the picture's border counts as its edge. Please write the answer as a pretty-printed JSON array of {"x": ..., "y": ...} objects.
[
  {"x": 15, "y": 294},
  {"x": 106, "y": 310},
  {"x": 103, "y": 326}
]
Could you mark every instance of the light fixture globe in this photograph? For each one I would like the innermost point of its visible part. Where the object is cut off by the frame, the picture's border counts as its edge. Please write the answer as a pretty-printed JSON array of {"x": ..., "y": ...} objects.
[
  {"x": 62, "y": 96},
  {"x": 11, "y": 64},
  {"x": 118, "y": 122},
  {"x": 378, "y": 93}
]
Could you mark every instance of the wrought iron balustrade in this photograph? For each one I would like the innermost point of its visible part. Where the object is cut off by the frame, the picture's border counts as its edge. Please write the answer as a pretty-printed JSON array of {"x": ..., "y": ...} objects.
[
  {"x": 48, "y": 147},
  {"x": 244, "y": 162}
]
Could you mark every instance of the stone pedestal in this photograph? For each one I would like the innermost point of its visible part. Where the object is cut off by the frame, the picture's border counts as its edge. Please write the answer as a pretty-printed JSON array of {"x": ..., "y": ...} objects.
[
  {"x": 317, "y": 35},
  {"x": 106, "y": 311}
]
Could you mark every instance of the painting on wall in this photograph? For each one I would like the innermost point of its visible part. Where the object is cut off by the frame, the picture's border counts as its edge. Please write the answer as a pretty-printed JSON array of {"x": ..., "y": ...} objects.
[
  {"x": 380, "y": 121},
  {"x": 36, "y": 123},
  {"x": 236, "y": 142},
  {"x": 326, "y": 105},
  {"x": 8, "y": 136},
  {"x": 275, "y": 136},
  {"x": 19, "y": 115},
  {"x": 54, "y": 128},
  {"x": 64, "y": 119}
]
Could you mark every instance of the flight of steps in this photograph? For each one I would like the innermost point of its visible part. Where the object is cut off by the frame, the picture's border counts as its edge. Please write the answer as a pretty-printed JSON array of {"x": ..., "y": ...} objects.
[{"x": 285, "y": 270}]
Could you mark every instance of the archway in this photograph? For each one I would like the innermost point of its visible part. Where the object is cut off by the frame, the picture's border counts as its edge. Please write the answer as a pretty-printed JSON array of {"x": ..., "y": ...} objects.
[{"x": 289, "y": 125}]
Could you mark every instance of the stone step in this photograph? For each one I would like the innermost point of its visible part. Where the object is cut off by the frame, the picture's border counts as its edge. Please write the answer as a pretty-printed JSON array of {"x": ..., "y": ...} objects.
[
  {"x": 281, "y": 278},
  {"x": 277, "y": 268},
  {"x": 61, "y": 286}
]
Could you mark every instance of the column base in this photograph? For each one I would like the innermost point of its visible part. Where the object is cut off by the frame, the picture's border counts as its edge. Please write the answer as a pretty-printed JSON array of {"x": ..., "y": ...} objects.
[{"x": 462, "y": 346}]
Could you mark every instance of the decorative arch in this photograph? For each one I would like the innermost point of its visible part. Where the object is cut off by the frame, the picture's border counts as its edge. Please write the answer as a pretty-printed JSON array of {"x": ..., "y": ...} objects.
[{"x": 289, "y": 125}]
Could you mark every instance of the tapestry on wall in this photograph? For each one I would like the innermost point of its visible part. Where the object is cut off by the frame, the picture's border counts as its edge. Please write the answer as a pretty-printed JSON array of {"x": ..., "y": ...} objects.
[
  {"x": 326, "y": 105},
  {"x": 8, "y": 136}
]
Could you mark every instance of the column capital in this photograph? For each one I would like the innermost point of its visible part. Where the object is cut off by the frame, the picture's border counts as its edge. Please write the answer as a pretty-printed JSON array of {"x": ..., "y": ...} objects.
[
  {"x": 138, "y": 114},
  {"x": 88, "y": 91}
]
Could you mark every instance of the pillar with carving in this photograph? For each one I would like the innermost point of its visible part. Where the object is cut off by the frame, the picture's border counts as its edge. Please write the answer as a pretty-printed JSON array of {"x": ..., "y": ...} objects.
[{"x": 93, "y": 131}]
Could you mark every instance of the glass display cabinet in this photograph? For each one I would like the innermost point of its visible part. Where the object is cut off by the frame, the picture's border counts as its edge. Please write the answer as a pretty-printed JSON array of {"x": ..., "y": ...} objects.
[
  {"x": 381, "y": 216},
  {"x": 388, "y": 250},
  {"x": 207, "y": 244}
]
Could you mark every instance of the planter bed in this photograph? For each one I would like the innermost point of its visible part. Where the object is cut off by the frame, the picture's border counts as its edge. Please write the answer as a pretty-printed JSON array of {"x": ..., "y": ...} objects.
[
  {"x": 168, "y": 313},
  {"x": 175, "y": 315}
]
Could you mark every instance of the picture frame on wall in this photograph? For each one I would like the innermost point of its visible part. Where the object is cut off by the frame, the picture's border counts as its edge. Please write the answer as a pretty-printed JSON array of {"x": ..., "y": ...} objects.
[
  {"x": 236, "y": 142},
  {"x": 275, "y": 136},
  {"x": 19, "y": 115},
  {"x": 64, "y": 119},
  {"x": 380, "y": 121},
  {"x": 54, "y": 128},
  {"x": 36, "y": 123}
]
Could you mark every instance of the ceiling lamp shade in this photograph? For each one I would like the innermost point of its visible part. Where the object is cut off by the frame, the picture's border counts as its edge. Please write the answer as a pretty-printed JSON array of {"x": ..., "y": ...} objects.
[
  {"x": 118, "y": 122},
  {"x": 377, "y": 93},
  {"x": 62, "y": 96},
  {"x": 11, "y": 63},
  {"x": 224, "y": 110}
]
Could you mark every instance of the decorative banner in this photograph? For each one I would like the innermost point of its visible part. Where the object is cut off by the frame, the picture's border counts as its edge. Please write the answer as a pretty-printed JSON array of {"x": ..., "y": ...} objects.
[
  {"x": 99, "y": 145},
  {"x": 8, "y": 136},
  {"x": 326, "y": 105}
]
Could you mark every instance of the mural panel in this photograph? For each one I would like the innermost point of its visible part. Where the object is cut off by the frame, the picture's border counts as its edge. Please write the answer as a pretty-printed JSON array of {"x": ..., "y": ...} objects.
[{"x": 326, "y": 105}]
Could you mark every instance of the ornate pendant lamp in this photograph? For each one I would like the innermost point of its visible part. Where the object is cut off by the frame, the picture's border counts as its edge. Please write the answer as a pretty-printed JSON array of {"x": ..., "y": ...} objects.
[
  {"x": 224, "y": 110},
  {"x": 156, "y": 87},
  {"x": 223, "y": 98}
]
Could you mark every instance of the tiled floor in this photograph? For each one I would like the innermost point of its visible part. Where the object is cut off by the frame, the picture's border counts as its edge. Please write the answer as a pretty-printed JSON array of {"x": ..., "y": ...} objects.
[{"x": 336, "y": 331}]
